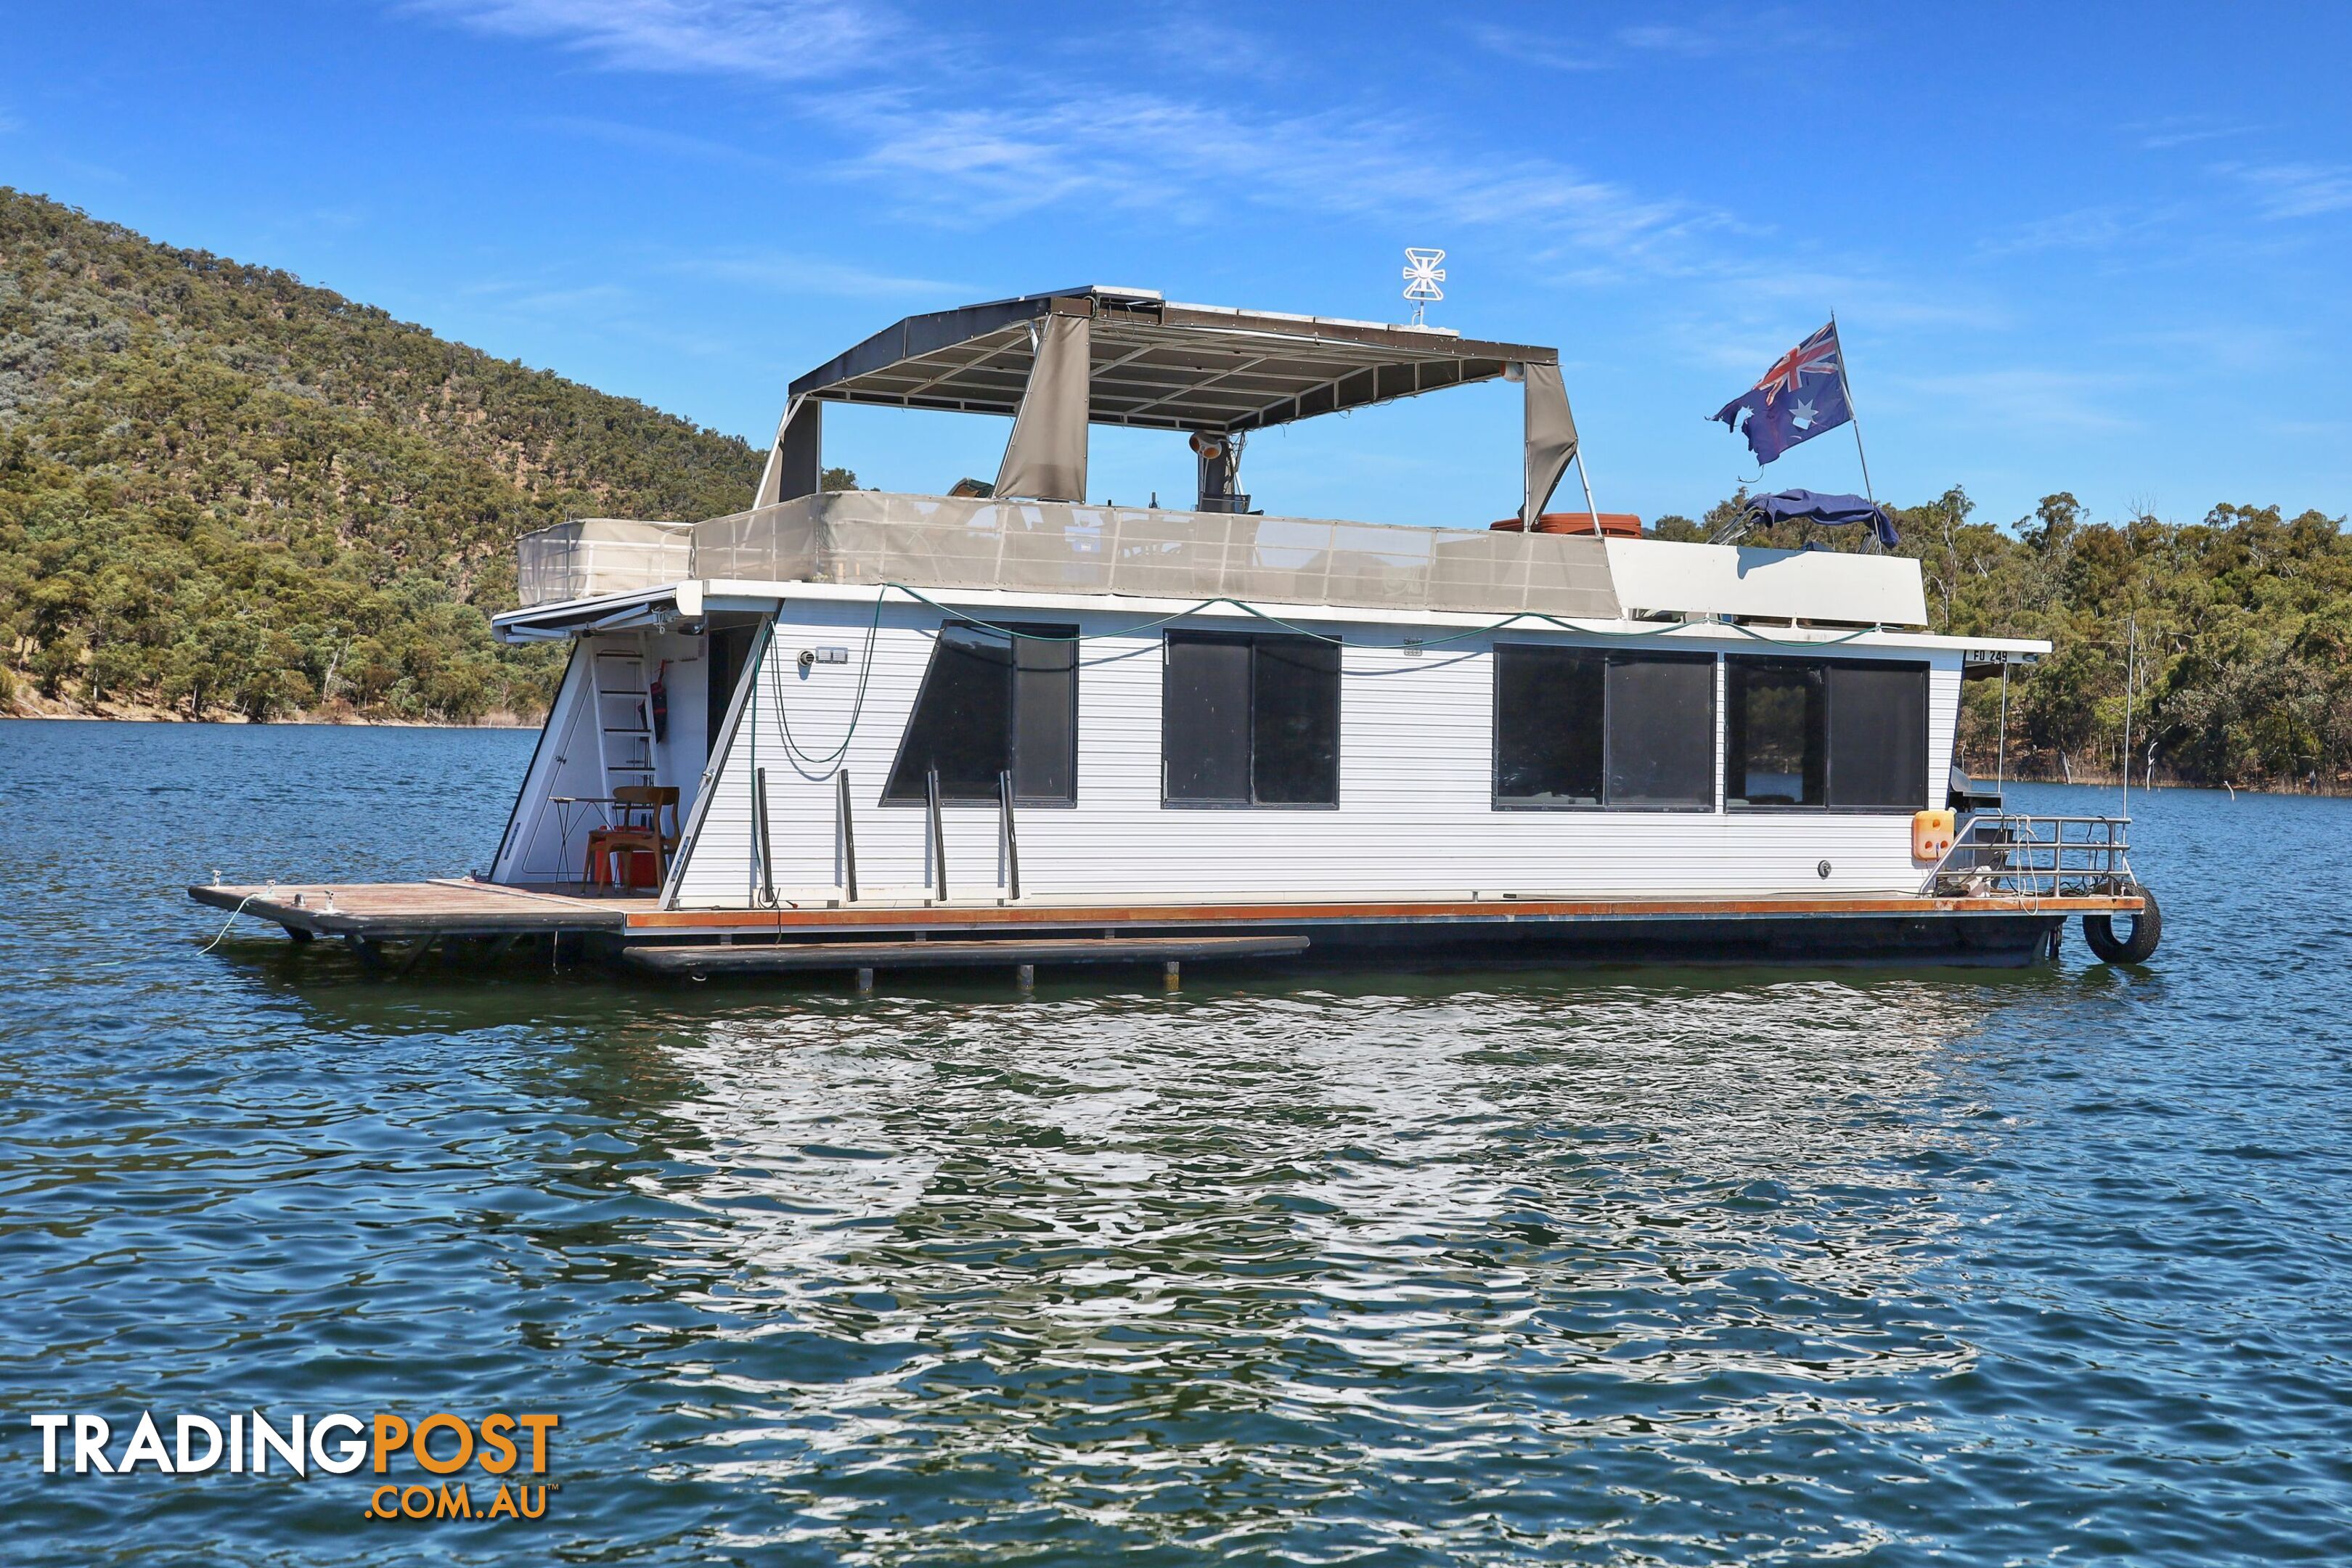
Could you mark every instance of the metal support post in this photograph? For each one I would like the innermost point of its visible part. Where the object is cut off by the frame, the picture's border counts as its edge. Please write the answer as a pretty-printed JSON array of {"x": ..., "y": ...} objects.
[
  {"x": 938, "y": 834},
  {"x": 1012, "y": 840},
  {"x": 848, "y": 838},
  {"x": 767, "y": 860}
]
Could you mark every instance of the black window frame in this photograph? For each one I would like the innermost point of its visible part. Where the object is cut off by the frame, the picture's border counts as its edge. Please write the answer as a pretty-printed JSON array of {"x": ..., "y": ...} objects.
[
  {"x": 1255, "y": 641},
  {"x": 1829, "y": 804},
  {"x": 1606, "y": 657},
  {"x": 1031, "y": 633}
]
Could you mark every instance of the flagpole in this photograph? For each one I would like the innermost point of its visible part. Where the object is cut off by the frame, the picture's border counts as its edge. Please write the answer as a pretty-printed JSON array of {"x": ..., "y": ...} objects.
[{"x": 1852, "y": 418}]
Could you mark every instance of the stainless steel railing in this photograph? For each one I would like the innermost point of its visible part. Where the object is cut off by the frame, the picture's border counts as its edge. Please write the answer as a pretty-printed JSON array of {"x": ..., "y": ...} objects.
[{"x": 2004, "y": 855}]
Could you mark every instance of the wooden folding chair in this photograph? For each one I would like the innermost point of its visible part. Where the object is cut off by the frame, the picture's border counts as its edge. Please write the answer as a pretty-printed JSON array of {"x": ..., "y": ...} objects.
[{"x": 637, "y": 828}]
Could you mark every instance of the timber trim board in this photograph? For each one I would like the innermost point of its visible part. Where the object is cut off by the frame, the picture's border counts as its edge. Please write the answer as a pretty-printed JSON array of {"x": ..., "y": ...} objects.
[{"x": 1500, "y": 912}]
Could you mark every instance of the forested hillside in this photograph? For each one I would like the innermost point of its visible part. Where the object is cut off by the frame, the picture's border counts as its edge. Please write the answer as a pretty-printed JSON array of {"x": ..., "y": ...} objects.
[
  {"x": 222, "y": 492},
  {"x": 2232, "y": 635}
]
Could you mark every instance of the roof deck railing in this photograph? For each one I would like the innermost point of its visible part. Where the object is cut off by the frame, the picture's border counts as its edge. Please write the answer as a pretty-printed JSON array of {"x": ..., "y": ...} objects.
[{"x": 2010, "y": 855}]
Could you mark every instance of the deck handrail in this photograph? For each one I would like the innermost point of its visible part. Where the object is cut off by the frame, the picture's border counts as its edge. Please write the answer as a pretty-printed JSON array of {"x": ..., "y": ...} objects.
[{"x": 2020, "y": 855}]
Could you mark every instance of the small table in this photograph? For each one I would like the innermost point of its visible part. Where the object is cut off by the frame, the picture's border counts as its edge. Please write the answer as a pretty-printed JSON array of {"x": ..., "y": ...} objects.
[{"x": 563, "y": 805}]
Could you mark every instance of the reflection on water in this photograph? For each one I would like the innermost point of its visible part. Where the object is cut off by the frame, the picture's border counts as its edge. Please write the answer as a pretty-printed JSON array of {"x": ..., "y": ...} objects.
[
  {"x": 1611, "y": 1265},
  {"x": 1311, "y": 1250}
]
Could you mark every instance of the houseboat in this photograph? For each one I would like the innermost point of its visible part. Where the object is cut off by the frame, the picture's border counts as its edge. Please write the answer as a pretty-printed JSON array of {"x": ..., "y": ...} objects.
[{"x": 859, "y": 732}]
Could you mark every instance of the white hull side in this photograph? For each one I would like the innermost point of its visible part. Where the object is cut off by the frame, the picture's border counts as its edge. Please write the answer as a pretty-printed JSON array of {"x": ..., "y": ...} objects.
[{"x": 1414, "y": 817}]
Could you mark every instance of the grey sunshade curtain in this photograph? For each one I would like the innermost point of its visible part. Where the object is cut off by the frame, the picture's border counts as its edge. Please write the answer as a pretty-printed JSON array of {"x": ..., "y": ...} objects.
[
  {"x": 1046, "y": 459},
  {"x": 1551, "y": 437},
  {"x": 796, "y": 464}
]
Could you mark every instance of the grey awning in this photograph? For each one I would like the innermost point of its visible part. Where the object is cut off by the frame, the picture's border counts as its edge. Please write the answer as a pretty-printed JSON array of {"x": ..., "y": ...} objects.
[{"x": 1159, "y": 365}]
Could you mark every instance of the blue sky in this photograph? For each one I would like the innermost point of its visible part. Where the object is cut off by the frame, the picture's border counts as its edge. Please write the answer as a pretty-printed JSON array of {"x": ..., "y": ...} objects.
[{"x": 2102, "y": 248}]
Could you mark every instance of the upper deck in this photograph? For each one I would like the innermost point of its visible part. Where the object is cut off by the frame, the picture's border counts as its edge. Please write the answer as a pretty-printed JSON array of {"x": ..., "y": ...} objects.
[
  {"x": 940, "y": 544},
  {"x": 1061, "y": 362}
]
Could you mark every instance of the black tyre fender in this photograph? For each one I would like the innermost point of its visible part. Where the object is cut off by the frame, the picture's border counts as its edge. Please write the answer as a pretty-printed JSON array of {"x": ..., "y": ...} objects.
[{"x": 2147, "y": 931}]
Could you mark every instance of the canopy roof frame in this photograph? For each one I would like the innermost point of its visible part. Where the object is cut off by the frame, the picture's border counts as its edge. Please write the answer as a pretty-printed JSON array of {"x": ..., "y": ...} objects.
[
  {"x": 1153, "y": 365},
  {"x": 976, "y": 359}
]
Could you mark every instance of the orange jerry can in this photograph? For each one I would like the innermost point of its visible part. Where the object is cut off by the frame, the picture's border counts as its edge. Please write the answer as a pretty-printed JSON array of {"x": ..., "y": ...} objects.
[{"x": 1932, "y": 833}]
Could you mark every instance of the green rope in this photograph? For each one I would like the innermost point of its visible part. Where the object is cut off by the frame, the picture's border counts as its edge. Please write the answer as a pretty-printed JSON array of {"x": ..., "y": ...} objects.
[
  {"x": 874, "y": 626},
  {"x": 865, "y": 672},
  {"x": 1248, "y": 609}
]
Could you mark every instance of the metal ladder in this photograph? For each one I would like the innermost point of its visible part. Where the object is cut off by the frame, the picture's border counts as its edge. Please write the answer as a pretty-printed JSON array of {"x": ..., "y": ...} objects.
[{"x": 624, "y": 737}]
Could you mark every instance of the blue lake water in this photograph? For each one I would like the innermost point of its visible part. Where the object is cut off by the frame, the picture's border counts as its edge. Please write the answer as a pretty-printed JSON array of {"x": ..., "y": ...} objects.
[{"x": 1601, "y": 1266}]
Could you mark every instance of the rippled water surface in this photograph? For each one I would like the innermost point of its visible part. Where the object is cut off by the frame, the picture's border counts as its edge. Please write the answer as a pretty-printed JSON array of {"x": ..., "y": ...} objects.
[{"x": 1596, "y": 1265}]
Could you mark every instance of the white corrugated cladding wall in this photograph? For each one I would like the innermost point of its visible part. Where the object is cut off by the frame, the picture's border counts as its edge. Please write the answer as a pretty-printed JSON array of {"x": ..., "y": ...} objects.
[
  {"x": 567, "y": 763},
  {"x": 1415, "y": 781},
  {"x": 548, "y": 844}
]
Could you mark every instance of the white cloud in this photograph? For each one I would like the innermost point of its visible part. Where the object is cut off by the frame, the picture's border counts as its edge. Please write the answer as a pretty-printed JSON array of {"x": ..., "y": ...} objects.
[
  {"x": 1143, "y": 151},
  {"x": 670, "y": 144},
  {"x": 1731, "y": 32},
  {"x": 1670, "y": 39},
  {"x": 2025, "y": 398},
  {"x": 2240, "y": 347},
  {"x": 1534, "y": 49},
  {"x": 1204, "y": 44},
  {"x": 777, "y": 40},
  {"x": 1728, "y": 32},
  {"x": 2294, "y": 190},
  {"x": 984, "y": 155},
  {"x": 2084, "y": 228},
  {"x": 2183, "y": 131},
  {"x": 802, "y": 275}
]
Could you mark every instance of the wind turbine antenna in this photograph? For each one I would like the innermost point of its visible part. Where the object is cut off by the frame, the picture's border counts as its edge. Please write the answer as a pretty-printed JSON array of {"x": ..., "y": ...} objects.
[{"x": 1421, "y": 277}]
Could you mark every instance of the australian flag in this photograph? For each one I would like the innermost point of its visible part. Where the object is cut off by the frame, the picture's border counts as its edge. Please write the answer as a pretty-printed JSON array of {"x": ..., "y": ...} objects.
[{"x": 1802, "y": 395}]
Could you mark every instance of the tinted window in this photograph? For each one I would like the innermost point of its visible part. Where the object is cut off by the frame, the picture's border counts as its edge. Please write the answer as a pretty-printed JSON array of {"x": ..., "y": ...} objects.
[
  {"x": 1295, "y": 725},
  {"x": 1046, "y": 719},
  {"x": 728, "y": 647},
  {"x": 1250, "y": 721},
  {"x": 1776, "y": 744},
  {"x": 1878, "y": 735},
  {"x": 1204, "y": 720},
  {"x": 1547, "y": 725},
  {"x": 989, "y": 704},
  {"x": 1580, "y": 727},
  {"x": 1661, "y": 710}
]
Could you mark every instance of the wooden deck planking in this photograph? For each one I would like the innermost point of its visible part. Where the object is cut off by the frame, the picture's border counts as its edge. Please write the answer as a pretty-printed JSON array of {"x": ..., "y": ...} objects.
[
  {"x": 419, "y": 909},
  {"x": 397, "y": 910}
]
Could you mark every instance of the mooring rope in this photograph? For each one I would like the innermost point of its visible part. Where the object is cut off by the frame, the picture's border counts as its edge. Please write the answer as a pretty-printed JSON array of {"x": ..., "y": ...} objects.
[{"x": 215, "y": 941}]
